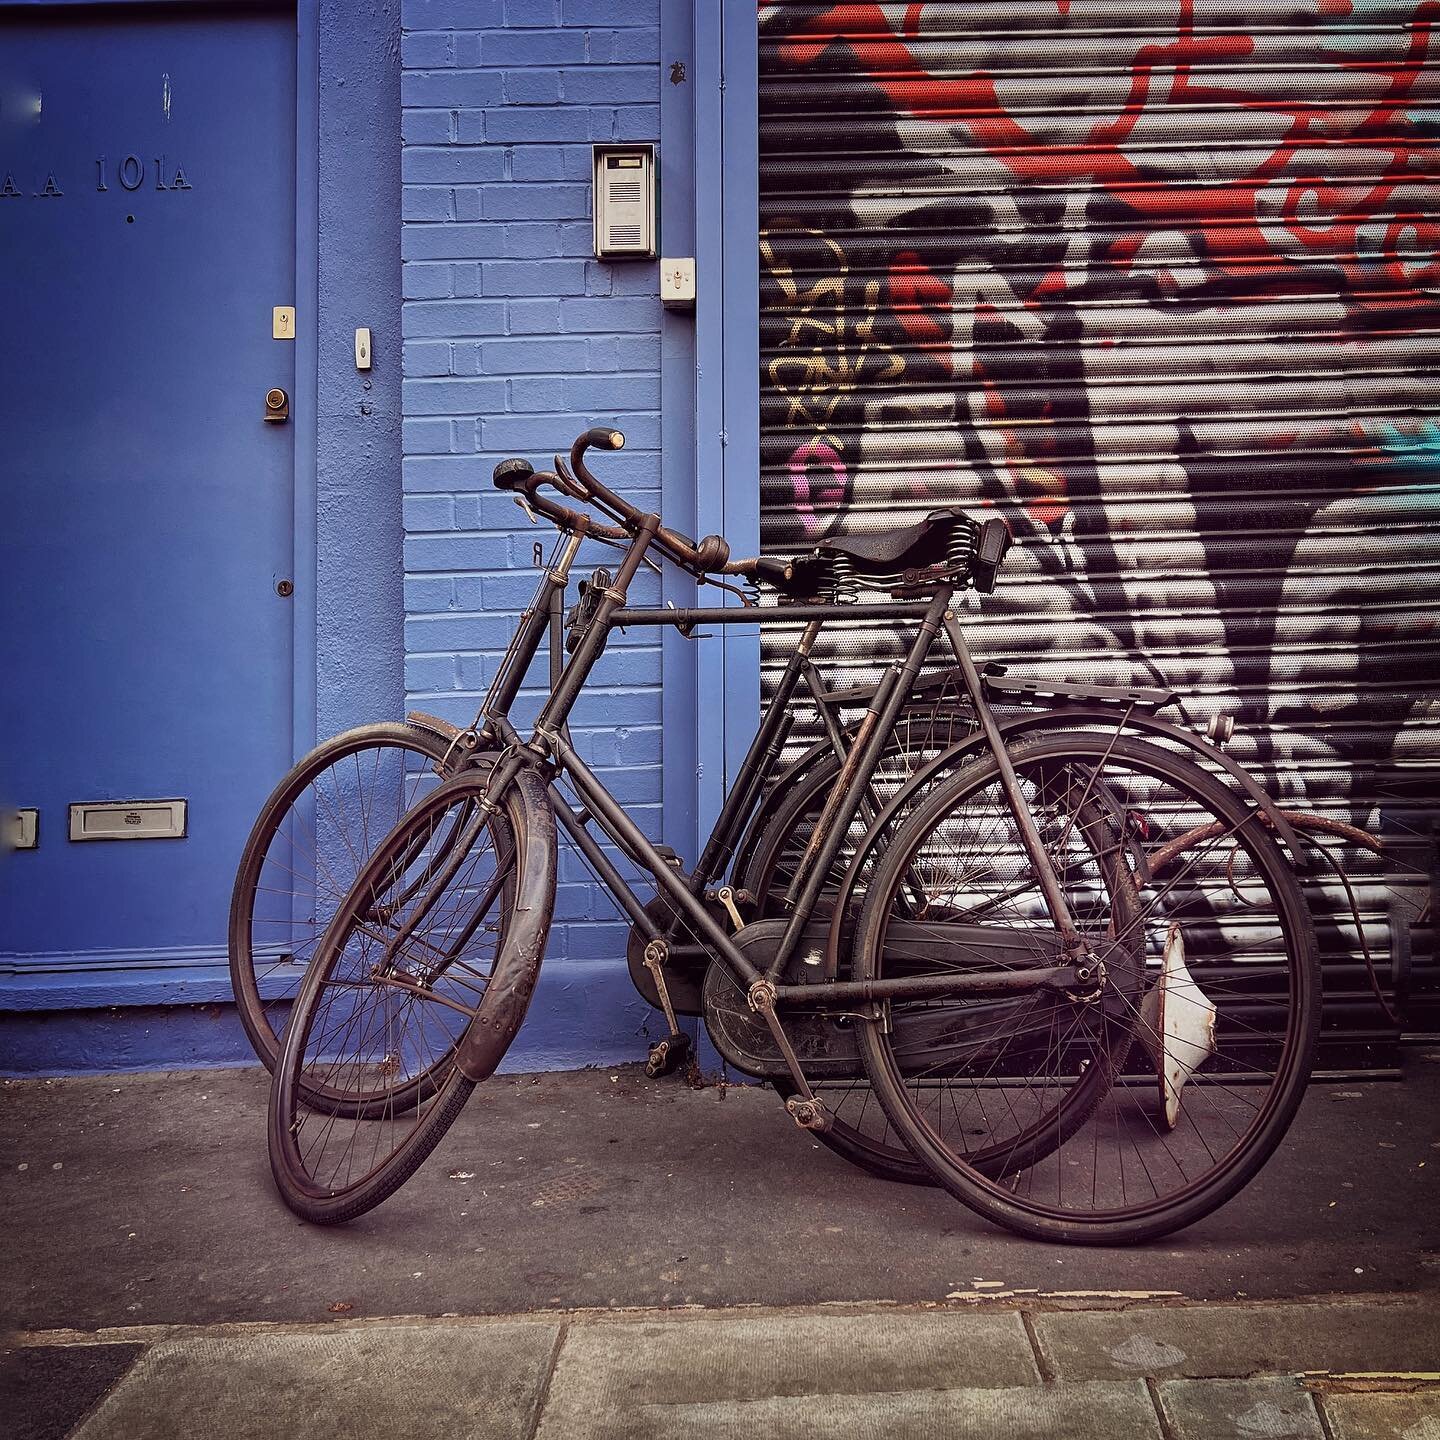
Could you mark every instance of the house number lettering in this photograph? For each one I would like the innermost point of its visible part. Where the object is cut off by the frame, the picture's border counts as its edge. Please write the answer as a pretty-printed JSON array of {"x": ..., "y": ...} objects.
[{"x": 129, "y": 172}]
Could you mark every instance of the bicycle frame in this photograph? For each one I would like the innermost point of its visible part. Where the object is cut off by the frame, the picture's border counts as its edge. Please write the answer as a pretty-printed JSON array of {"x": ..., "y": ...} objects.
[{"x": 549, "y": 751}]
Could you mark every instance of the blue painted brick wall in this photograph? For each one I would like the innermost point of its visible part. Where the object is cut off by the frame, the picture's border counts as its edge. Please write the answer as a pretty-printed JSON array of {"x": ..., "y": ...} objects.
[{"x": 515, "y": 340}]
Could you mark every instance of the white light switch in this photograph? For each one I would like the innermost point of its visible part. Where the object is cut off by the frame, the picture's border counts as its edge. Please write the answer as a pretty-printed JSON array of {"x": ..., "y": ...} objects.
[
  {"x": 677, "y": 282},
  {"x": 362, "y": 348}
]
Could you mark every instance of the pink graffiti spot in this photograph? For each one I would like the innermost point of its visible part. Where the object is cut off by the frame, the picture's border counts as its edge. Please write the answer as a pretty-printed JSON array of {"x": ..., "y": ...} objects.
[{"x": 827, "y": 494}]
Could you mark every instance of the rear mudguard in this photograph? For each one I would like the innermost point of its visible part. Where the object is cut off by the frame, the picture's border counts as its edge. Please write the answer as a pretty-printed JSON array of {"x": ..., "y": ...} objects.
[
  {"x": 517, "y": 966},
  {"x": 1070, "y": 715}
]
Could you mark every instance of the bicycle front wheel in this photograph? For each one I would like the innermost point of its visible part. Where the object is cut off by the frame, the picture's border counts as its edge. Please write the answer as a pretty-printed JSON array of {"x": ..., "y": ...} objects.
[
  {"x": 1109, "y": 1115},
  {"x": 442, "y": 932}
]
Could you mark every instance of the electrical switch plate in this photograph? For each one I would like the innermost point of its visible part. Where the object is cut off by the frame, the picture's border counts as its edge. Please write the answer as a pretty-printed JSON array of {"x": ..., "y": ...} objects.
[
  {"x": 677, "y": 283},
  {"x": 282, "y": 322},
  {"x": 362, "y": 348},
  {"x": 24, "y": 829}
]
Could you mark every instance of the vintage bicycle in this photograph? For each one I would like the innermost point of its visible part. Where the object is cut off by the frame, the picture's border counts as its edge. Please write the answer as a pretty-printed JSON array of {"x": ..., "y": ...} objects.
[{"x": 1070, "y": 967}]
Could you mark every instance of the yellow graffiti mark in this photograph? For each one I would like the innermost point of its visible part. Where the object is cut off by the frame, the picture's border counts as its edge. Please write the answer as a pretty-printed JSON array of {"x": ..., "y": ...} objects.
[{"x": 831, "y": 346}]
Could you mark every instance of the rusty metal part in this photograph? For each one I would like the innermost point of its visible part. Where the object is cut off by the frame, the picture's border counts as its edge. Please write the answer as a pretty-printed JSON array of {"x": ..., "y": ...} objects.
[
  {"x": 831, "y": 811},
  {"x": 656, "y": 953},
  {"x": 432, "y": 723},
  {"x": 809, "y": 1114},
  {"x": 726, "y": 896},
  {"x": 1297, "y": 819},
  {"x": 761, "y": 996},
  {"x": 668, "y": 1055}
]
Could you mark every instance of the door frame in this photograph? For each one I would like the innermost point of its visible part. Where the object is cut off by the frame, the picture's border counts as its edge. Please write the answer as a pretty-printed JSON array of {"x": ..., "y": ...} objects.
[{"x": 710, "y": 385}]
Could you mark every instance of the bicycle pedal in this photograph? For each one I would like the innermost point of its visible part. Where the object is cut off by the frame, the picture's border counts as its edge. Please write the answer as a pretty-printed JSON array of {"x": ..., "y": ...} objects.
[
  {"x": 668, "y": 1056},
  {"x": 809, "y": 1114}
]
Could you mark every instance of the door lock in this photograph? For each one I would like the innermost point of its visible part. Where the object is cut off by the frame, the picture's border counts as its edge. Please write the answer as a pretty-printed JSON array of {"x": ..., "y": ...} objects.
[{"x": 277, "y": 406}]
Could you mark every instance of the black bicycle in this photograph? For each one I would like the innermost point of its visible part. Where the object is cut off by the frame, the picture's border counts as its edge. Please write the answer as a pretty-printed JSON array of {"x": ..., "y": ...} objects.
[{"x": 1070, "y": 967}]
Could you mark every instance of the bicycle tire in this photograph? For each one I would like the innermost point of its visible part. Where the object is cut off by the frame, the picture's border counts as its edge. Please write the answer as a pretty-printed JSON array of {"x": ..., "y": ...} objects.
[
  {"x": 269, "y": 951},
  {"x": 1211, "y": 912},
  {"x": 359, "y": 1011}
]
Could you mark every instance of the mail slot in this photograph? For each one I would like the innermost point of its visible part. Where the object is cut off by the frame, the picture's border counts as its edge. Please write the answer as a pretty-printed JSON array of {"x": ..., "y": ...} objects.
[{"x": 127, "y": 820}]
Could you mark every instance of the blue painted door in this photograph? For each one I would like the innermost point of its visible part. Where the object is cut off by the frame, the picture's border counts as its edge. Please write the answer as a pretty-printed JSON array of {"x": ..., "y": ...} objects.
[{"x": 147, "y": 230}]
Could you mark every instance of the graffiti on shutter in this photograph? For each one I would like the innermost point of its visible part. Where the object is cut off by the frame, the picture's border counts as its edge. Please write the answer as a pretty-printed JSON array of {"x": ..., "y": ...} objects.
[{"x": 1159, "y": 281}]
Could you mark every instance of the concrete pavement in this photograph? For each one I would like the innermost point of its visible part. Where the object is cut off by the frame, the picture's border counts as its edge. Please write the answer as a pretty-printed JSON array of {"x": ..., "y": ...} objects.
[
  {"x": 595, "y": 1254},
  {"x": 1179, "y": 1372}
]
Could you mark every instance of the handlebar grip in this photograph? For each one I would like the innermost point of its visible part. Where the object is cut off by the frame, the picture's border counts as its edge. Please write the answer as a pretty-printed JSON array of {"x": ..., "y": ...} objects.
[
  {"x": 771, "y": 570},
  {"x": 601, "y": 437},
  {"x": 512, "y": 474}
]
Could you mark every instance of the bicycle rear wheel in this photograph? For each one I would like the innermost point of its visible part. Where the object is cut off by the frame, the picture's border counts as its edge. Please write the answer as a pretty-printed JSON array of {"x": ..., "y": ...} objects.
[
  {"x": 442, "y": 932},
  {"x": 1120, "y": 1115},
  {"x": 312, "y": 835}
]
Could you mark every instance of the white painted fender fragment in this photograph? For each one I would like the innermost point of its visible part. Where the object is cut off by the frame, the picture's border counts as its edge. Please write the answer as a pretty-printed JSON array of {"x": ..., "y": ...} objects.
[{"x": 1177, "y": 1025}]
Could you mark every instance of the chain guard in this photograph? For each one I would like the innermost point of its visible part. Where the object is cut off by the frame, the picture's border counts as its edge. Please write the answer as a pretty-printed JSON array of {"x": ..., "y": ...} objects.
[{"x": 826, "y": 1049}]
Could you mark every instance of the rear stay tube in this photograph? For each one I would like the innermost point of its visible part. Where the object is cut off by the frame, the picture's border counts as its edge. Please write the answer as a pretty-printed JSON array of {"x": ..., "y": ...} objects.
[{"x": 1024, "y": 820}]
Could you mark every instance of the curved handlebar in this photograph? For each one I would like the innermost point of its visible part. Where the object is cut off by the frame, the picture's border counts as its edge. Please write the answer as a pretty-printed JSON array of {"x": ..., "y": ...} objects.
[
  {"x": 524, "y": 481},
  {"x": 578, "y": 482}
]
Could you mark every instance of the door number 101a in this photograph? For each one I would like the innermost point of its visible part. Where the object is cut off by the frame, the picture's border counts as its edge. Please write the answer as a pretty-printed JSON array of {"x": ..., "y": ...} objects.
[{"x": 129, "y": 173}]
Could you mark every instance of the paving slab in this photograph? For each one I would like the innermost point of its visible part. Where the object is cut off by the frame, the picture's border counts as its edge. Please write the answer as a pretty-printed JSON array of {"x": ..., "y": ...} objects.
[
  {"x": 1115, "y": 1411},
  {"x": 45, "y": 1390},
  {"x": 749, "y": 1358},
  {"x": 456, "y": 1382},
  {"x": 1238, "y": 1340},
  {"x": 1375, "y": 1416},
  {"x": 147, "y": 1199},
  {"x": 1264, "y": 1409}
]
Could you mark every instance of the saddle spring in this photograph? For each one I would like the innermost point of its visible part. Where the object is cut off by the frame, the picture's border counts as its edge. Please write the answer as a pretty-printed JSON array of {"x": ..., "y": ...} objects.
[{"x": 844, "y": 582}]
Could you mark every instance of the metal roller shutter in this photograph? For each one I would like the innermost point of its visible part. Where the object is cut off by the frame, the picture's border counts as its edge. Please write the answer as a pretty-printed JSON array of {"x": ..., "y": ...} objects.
[{"x": 1159, "y": 281}]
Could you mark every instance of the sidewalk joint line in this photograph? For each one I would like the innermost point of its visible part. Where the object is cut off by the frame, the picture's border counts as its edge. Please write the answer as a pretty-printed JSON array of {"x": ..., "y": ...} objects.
[
  {"x": 542, "y": 1394},
  {"x": 1152, "y": 1389},
  {"x": 1043, "y": 1367}
]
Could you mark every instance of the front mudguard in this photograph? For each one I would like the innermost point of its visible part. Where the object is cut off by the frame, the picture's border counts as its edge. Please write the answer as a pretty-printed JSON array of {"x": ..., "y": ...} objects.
[{"x": 517, "y": 966}]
